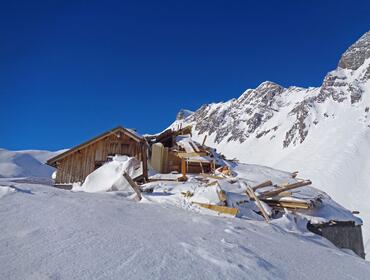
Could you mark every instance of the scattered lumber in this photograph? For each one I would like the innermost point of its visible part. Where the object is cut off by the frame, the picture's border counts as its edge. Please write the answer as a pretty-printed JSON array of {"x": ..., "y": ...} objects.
[
  {"x": 285, "y": 188},
  {"x": 220, "y": 209},
  {"x": 262, "y": 185},
  {"x": 286, "y": 193},
  {"x": 294, "y": 174},
  {"x": 355, "y": 212},
  {"x": 253, "y": 196},
  {"x": 133, "y": 185}
]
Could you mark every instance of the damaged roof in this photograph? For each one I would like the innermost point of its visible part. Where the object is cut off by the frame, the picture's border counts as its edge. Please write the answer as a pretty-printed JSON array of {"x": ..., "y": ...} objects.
[{"x": 129, "y": 132}]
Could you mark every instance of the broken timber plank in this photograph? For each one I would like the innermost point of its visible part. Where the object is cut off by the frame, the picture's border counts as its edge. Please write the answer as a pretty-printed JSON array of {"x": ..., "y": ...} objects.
[
  {"x": 161, "y": 179},
  {"x": 133, "y": 185},
  {"x": 262, "y": 185},
  {"x": 252, "y": 195},
  {"x": 222, "y": 197},
  {"x": 192, "y": 154},
  {"x": 212, "y": 176},
  {"x": 204, "y": 140},
  {"x": 286, "y": 188},
  {"x": 288, "y": 205},
  {"x": 221, "y": 209}
]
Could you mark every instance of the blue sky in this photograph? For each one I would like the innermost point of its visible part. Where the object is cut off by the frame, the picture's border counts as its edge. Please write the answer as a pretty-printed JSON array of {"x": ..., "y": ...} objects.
[{"x": 72, "y": 69}]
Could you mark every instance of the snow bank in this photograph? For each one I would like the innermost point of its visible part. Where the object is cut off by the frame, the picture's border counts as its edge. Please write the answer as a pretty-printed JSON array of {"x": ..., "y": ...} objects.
[
  {"x": 27, "y": 163},
  {"x": 126, "y": 240},
  {"x": 109, "y": 176},
  {"x": 4, "y": 190}
]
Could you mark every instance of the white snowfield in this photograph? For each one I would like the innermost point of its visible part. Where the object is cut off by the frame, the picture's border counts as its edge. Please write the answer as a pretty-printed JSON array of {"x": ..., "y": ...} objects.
[
  {"x": 49, "y": 233},
  {"x": 25, "y": 163}
]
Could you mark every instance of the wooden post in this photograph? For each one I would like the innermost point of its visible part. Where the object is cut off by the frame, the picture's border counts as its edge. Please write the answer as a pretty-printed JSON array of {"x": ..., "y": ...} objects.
[
  {"x": 183, "y": 167},
  {"x": 133, "y": 185},
  {"x": 145, "y": 160},
  {"x": 201, "y": 166}
]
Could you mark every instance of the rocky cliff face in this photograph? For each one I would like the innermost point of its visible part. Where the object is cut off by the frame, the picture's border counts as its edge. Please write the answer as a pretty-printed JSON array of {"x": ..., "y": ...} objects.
[{"x": 254, "y": 114}]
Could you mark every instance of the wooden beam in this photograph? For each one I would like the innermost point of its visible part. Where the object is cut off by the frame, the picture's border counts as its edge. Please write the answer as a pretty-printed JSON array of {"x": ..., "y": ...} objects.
[
  {"x": 204, "y": 140},
  {"x": 262, "y": 185},
  {"x": 183, "y": 167},
  {"x": 220, "y": 209},
  {"x": 286, "y": 188},
  {"x": 253, "y": 196},
  {"x": 192, "y": 154},
  {"x": 201, "y": 166},
  {"x": 134, "y": 186},
  {"x": 145, "y": 160},
  {"x": 222, "y": 197},
  {"x": 288, "y": 204}
]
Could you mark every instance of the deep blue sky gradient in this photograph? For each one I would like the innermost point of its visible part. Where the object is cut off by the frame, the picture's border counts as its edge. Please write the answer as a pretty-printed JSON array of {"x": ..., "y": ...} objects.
[{"x": 72, "y": 69}]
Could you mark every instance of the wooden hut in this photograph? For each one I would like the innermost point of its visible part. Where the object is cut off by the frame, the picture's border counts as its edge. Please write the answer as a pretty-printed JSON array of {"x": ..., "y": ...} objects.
[{"x": 75, "y": 164}]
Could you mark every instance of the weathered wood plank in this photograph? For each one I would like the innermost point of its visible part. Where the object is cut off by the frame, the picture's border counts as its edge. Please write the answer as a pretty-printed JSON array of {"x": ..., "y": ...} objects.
[
  {"x": 220, "y": 209},
  {"x": 262, "y": 185},
  {"x": 134, "y": 186},
  {"x": 286, "y": 188},
  {"x": 253, "y": 196}
]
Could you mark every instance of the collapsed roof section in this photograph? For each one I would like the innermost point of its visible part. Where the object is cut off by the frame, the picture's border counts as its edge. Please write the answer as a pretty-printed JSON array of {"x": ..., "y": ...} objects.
[{"x": 176, "y": 151}]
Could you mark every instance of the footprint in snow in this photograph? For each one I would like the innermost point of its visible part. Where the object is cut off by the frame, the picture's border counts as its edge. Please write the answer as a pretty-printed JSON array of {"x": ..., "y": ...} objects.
[{"x": 228, "y": 244}]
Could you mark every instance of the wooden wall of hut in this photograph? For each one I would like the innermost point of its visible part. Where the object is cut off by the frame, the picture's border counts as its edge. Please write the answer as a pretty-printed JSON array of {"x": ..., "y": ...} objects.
[{"x": 76, "y": 166}]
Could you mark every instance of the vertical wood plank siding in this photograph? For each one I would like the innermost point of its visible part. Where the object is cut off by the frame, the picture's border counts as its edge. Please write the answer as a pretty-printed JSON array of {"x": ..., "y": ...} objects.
[{"x": 76, "y": 166}]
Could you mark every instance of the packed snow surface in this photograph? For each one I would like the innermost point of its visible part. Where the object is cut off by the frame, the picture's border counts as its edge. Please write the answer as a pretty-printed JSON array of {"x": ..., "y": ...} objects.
[{"x": 49, "y": 233}]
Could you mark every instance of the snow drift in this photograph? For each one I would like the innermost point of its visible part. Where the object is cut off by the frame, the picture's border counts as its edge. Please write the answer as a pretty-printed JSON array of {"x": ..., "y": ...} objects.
[
  {"x": 109, "y": 177},
  {"x": 27, "y": 163}
]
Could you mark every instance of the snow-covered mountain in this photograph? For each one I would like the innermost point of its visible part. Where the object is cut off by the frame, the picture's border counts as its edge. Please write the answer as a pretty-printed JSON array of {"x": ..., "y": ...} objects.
[
  {"x": 26, "y": 163},
  {"x": 323, "y": 132}
]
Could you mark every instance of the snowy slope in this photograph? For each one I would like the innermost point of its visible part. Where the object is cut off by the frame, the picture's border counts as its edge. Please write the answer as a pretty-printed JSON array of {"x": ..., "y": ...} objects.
[
  {"x": 26, "y": 163},
  {"x": 322, "y": 132},
  {"x": 108, "y": 236}
]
